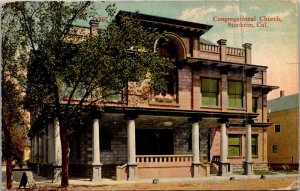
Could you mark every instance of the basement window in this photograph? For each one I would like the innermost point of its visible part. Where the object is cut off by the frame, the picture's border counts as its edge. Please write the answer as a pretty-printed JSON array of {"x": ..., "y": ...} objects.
[{"x": 275, "y": 148}]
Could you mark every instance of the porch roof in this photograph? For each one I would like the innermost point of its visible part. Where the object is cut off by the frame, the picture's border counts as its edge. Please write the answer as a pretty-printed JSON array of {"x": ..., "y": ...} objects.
[{"x": 251, "y": 69}]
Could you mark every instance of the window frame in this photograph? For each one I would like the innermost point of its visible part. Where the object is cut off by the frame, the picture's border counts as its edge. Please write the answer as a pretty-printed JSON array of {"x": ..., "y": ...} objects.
[
  {"x": 254, "y": 145},
  {"x": 274, "y": 148},
  {"x": 239, "y": 136},
  {"x": 235, "y": 94},
  {"x": 210, "y": 91},
  {"x": 277, "y": 128},
  {"x": 255, "y": 106}
]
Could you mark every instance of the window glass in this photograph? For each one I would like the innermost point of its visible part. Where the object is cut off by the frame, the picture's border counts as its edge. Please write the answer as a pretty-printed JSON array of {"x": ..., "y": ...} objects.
[
  {"x": 275, "y": 148},
  {"x": 277, "y": 128},
  {"x": 235, "y": 94},
  {"x": 209, "y": 92},
  {"x": 254, "y": 104},
  {"x": 254, "y": 143},
  {"x": 234, "y": 145}
]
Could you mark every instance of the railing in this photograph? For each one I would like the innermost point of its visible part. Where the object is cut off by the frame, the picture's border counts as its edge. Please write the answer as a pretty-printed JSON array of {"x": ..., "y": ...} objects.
[
  {"x": 235, "y": 51},
  {"x": 164, "y": 158},
  {"x": 209, "y": 48},
  {"x": 122, "y": 172}
]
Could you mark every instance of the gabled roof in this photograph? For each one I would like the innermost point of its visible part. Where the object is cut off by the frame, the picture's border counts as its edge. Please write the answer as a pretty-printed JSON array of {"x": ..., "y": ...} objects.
[
  {"x": 168, "y": 23},
  {"x": 283, "y": 103}
]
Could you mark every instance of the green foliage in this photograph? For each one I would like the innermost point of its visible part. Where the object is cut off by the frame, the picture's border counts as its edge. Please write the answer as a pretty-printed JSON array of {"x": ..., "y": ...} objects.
[
  {"x": 14, "y": 124},
  {"x": 63, "y": 69},
  {"x": 122, "y": 52}
]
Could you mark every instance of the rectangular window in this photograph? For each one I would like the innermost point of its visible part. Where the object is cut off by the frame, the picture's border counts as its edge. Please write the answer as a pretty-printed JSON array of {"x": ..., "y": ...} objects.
[
  {"x": 275, "y": 148},
  {"x": 209, "y": 92},
  {"x": 277, "y": 128},
  {"x": 254, "y": 143},
  {"x": 234, "y": 145},
  {"x": 254, "y": 104},
  {"x": 235, "y": 94}
]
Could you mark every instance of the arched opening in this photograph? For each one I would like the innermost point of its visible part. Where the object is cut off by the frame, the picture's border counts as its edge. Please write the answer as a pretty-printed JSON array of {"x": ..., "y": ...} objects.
[{"x": 173, "y": 48}]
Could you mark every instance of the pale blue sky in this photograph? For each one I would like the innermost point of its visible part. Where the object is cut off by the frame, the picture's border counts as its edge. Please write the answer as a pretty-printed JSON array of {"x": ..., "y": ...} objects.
[{"x": 274, "y": 46}]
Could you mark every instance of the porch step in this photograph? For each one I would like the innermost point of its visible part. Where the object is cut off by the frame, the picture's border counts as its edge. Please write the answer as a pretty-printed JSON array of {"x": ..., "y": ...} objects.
[{"x": 257, "y": 167}]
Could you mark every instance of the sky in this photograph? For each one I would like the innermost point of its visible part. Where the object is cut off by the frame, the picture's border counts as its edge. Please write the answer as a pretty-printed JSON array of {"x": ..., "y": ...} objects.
[{"x": 275, "y": 46}]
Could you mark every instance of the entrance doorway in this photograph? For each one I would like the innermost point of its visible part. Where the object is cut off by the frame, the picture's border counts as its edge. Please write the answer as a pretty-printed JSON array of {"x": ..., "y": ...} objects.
[{"x": 154, "y": 141}]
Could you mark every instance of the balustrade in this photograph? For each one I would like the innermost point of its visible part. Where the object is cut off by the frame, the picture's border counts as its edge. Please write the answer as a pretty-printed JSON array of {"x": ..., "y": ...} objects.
[
  {"x": 209, "y": 48},
  {"x": 164, "y": 159},
  {"x": 235, "y": 51}
]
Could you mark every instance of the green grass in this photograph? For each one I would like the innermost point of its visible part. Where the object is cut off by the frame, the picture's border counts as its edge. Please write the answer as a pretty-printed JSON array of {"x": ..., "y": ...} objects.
[
  {"x": 264, "y": 173},
  {"x": 287, "y": 171}
]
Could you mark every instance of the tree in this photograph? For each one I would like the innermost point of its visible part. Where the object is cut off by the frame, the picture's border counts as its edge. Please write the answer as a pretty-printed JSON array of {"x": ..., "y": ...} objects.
[
  {"x": 102, "y": 65},
  {"x": 14, "y": 123}
]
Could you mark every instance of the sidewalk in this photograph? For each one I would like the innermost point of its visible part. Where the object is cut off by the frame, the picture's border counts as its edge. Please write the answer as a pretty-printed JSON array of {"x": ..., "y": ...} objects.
[
  {"x": 43, "y": 182},
  {"x": 78, "y": 182}
]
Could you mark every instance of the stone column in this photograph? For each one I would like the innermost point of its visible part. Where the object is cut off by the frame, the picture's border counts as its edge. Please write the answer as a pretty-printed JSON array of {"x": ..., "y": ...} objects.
[
  {"x": 40, "y": 158},
  {"x": 224, "y": 91},
  {"x": 223, "y": 143},
  {"x": 94, "y": 24},
  {"x": 195, "y": 148},
  {"x": 57, "y": 152},
  {"x": 132, "y": 166},
  {"x": 50, "y": 143},
  {"x": 224, "y": 167},
  {"x": 45, "y": 154},
  {"x": 45, "y": 151},
  {"x": 196, "y": 45},
  {"x": 247, "y": 47},
  {"x": 222, "y": 43},
  {"x": 248, "y": 164},
  {"x": 96, "y": 174}
]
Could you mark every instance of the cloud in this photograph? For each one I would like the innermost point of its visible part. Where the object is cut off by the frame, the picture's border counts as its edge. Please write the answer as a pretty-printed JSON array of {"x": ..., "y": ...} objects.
[
  {"x": 197, "y": 14},
  {"x": 294, "y": 1},
  {"x": 254, "y": 8},
  {"x": 233, "y": 9},
  {"x": 280, "y": 14},
  {"x": 201, "y": 13}
]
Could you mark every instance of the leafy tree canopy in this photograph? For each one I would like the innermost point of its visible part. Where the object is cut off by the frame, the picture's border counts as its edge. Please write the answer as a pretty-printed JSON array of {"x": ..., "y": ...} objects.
[{"x": 68, "y": 62}]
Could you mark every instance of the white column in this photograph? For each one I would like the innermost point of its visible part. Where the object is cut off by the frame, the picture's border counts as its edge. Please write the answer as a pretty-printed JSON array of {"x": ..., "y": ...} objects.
[
  {"x": 50, "y": 143},
  {"x": 131, "y": 153},
  {"x": 248, "y": 164},
  {"x": 248, "y": 144},
  {"x": 96, "y": 173},
  {"x": 131, "y": 141},
  {"x": 195, "y": 145},
  {"x": 195, "y": 148},
  {"x": 224, "y": 143},
  {"x": 57, "y": 143},
  {"x": 96, "y": 142},
  {"x": 57, "y": 154},
  {"x": 224, "y": 166}
]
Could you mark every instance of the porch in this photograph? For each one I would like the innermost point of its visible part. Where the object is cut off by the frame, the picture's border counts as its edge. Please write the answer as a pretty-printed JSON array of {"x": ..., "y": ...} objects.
[
  {"x": 163, "y": 166},
  {"x": 175, "y": 134}
]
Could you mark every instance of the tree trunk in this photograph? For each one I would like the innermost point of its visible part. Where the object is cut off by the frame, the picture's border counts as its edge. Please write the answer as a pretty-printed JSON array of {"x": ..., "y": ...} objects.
[
  {"x": 65, "y": 147},
  {"x": 8, "y": 149}
]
